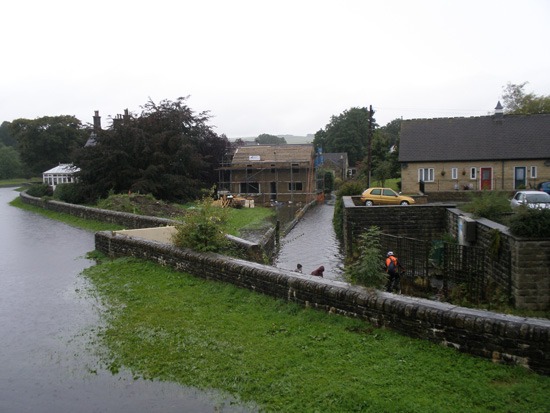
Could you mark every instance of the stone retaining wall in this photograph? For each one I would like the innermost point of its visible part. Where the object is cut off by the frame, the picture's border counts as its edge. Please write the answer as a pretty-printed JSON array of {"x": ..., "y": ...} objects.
[
  {"x": 501, "y": 338},
  {"x": 256, "y": 252}
]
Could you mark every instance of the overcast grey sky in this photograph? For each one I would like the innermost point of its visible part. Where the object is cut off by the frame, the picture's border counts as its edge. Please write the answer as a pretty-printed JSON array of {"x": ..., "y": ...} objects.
[{"x": 278, "y": 67}]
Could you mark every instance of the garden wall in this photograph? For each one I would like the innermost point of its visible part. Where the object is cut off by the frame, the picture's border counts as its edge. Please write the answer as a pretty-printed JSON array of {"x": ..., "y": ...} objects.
[
  {"x": 501, "y": 338},
  {"x": 519, "y": 266},
  {"x": 256, "y": 252}
]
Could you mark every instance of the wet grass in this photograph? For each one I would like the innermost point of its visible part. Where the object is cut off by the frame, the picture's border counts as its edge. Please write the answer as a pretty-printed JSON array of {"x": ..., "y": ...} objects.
[
  {"x": 249, "y": 219},
  {"x": 71, "y": 220},
  {"x": 162, "y": 324}
]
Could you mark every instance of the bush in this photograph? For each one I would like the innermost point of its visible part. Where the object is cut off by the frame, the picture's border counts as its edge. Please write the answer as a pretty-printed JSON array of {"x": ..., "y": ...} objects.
[
  {"x": 40, "y": 190},
  {"x": 203, "y": 228},
  {"x": 366, "y": 269},
  {"x": 490, "y": 204},
  {"x": 533, "y": 223},
  {"x": 71, "y": 193}
]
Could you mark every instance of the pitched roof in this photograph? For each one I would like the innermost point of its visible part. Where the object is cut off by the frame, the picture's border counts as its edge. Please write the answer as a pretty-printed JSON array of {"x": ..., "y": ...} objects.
[
  {"x": 62, "y": 168},
  {"x": 475, "y": 138},
  {"x": 272, "y": 154}
]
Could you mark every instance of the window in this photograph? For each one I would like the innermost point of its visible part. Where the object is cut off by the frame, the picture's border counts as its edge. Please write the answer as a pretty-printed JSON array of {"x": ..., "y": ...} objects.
[
  {"x": 295, "y": 168},
  {"x": 249, "y": 188},
  {"x": 377, "y": 191},
  {"x": 473, "y": 172},
  {"x": 294, "y": 186},
  {"x": 533, "y": 172},
  {"x": 426, "y": 174},
  {"x": 454, "y": 173},
  {"x": 272, "y": 168}
]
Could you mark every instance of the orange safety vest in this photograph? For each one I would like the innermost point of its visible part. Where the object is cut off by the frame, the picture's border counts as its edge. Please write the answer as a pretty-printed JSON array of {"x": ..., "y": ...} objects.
[{"x": 389, "y": 260}]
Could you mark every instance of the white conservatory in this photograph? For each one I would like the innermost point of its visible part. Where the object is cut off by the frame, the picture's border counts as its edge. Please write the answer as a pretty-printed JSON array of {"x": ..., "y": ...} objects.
[{"x": 61, "y": 174}]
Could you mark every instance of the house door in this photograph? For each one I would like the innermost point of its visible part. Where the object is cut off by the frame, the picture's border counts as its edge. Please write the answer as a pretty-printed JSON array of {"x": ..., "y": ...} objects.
[
  {"x": 519, "y": 177},
  {"x": 486, "y": 179},
  {"x": 273, "y": 191}
]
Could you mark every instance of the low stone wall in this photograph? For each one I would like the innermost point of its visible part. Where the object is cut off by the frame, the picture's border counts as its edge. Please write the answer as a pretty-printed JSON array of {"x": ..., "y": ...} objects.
[
  {"x": 256, "y": 252},
  {"x": 501, "y": 338}
]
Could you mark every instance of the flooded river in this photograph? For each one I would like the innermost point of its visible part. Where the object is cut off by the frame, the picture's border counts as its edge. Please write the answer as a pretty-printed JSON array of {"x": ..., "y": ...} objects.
[
  {"x": 312, "y": 243},
  {"x": 48, "y": 324}
]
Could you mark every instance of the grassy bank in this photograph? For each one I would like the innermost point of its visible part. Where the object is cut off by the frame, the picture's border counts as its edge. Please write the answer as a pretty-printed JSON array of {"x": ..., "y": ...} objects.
[
  {"x": 171, "y": 326},
  {"x": 66, "y": 218}
]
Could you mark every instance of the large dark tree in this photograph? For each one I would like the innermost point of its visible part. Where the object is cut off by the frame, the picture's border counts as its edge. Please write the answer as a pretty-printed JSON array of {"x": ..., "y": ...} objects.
[
  {"x": 6, "y": 135},
  {"x": 166, "y": 151},
  {"x": 347, "y": 132},
  {"x": 48, "y": 141}
]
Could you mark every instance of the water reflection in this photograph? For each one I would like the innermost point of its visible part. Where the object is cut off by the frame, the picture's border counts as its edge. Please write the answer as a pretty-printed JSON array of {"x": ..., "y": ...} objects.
[
  {"x": 312, "y": 243},
  {"x": 48, "y": 358}
]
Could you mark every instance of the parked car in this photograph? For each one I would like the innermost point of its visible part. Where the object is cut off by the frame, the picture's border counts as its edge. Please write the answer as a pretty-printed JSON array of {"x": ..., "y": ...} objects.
[
  {"x": 544, "y": 186},
  {"x": 384, "y": 196},
  {"x": 531, "y": 199}
]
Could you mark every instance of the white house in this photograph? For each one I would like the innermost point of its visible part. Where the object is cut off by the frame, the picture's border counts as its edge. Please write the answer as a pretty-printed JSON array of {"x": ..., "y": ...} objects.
[{"x": 61, "y": 174}]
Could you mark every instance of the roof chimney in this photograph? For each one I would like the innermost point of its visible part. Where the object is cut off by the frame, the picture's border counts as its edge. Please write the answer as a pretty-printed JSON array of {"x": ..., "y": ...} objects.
[{"x": 97, "y": 121}]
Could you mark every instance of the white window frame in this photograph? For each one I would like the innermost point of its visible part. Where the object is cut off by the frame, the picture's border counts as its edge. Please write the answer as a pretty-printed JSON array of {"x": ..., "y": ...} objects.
[
  {"x": 454, "y": 173},
  {"x": 473, "y": 172},
  {"x": 533, "y": 170},
  {"x": 424, "y": 173}
]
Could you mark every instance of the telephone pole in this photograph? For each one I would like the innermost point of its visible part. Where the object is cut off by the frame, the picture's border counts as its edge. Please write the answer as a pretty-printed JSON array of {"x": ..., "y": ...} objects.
[{"x": 369, "y": 144}]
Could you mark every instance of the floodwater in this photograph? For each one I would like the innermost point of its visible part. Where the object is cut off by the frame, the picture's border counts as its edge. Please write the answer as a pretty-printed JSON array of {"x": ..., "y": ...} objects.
[
  {"x": 312, "y": 243},
  {"x": 48, "y": 324}
]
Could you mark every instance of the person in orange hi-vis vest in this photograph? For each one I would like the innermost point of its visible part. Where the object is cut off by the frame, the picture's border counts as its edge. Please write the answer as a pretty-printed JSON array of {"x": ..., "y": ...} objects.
[{"x": 392, "y": 269}]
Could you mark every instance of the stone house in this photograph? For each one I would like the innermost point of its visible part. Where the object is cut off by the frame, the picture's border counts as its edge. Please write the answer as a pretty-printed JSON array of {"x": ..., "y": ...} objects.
[
  {"x": 495, "y": 152},
  {"x": 266, "y": 173}
]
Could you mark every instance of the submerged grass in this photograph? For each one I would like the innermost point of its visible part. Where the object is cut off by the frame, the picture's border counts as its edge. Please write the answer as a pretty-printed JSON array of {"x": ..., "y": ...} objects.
[{"x": 167, "y": 325}]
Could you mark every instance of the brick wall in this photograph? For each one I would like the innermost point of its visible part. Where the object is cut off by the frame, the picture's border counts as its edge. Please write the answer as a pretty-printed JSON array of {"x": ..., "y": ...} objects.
[{"x": 501, "y": 338}]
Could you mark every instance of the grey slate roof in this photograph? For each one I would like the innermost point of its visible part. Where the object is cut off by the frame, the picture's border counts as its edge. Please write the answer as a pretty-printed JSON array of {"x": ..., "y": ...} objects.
[{"x": 475, "y": 138}]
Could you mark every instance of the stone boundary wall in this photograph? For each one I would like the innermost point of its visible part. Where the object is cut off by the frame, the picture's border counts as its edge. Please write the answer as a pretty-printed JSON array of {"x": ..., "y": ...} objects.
[
  {"x": 416, "y": 221},
  {"x": 521, "y": 266},
  {"x": 254, "y": 251},
  {"x": 501, "y": 338}
]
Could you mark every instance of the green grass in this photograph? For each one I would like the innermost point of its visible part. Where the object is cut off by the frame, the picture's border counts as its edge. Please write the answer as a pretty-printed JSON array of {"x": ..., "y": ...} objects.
[
  {"x": 19, "y": 181},
  {"x": 249, "y": 218},
  {"x": 166, "y": 325},
  {"x": 67, "y": 218}
]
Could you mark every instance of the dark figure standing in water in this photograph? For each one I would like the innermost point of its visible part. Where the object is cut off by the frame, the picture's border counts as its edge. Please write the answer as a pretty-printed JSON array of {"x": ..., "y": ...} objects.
[{"x": 319, "y": 271}]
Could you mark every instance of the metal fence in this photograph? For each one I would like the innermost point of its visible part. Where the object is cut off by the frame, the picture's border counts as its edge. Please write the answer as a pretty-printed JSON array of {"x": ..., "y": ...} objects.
[{"x": 438, "y": 269}]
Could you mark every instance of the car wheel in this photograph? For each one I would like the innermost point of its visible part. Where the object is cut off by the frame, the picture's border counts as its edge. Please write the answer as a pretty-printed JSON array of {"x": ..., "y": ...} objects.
[
  {"x": 404, "y": 203},
  {"x": 369, "y": 203}
]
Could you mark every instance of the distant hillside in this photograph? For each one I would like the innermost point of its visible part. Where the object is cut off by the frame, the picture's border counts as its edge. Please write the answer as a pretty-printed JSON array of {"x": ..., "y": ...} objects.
[{"x": 290, "y": 139}]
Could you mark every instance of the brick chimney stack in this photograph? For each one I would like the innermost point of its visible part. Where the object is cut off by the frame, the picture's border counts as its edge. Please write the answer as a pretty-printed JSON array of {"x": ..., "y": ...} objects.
[{"x": 97, "y": 121}]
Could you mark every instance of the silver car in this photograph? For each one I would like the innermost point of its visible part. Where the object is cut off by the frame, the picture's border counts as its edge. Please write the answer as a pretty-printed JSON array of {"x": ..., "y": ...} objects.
[{"x": 531, "y": 199}]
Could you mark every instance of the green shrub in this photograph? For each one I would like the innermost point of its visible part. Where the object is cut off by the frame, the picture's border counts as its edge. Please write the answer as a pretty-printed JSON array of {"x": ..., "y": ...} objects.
[
  {"x": 366, "y": 268},
  {"x": 203, "y": 227},
  {"x": 490, "y": 204},
  {"x": 533, "y": 223},
  {"x": 40, "y": 190},
  {"x": 71, "y": 193}
]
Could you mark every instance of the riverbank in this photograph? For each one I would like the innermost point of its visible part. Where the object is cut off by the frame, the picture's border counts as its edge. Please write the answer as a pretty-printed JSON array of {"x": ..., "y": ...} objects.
[{"x": 168, "y": 325}]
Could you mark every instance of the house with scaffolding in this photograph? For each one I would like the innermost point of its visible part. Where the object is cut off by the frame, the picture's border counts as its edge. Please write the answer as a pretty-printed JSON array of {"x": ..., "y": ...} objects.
[{"x": 267, "y": 174}]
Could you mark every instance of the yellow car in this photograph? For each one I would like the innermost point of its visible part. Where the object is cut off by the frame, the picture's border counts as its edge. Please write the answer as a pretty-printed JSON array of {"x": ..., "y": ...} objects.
[{"x": 384, "y": 196}]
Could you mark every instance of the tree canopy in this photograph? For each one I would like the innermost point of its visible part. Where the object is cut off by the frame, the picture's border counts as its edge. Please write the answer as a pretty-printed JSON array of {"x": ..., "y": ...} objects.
[
  {"x": 267, "y": 139},
  {"x": 517, "y": 102},
  {"x": 167, "y": 151},
  {"x": 48, "y": 141},
  {"x": 347, "y": 132}
]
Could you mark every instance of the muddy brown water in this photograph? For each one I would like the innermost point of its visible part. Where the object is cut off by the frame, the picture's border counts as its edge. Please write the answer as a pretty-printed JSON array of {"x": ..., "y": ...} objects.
[{"x": 48, "y": 352}]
